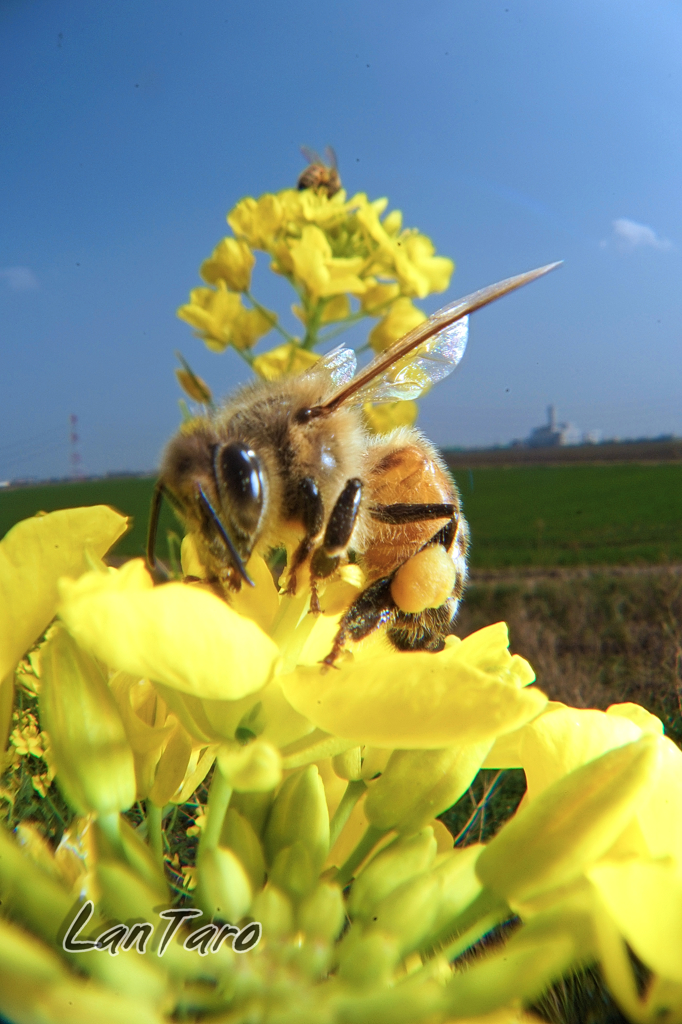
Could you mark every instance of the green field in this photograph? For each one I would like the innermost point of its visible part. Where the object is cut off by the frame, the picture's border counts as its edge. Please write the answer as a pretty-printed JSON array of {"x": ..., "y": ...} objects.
[
  {"x": 621, "y": 513},
  {"x": 131, "y": 495}
]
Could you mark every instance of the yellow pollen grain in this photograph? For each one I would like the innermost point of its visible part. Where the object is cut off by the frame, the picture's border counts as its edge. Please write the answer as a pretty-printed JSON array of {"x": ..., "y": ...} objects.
[{"x": 424, "y": 581}]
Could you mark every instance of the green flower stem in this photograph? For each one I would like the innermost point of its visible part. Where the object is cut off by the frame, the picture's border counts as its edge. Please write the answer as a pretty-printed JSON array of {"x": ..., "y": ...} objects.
[
  {"x": 354, "y": 791},
  {"x": 268, "y": 316},
  {"x": 110, "y": 824},
  {"x": 486, "y": 911},
  {"x": 370, "y": 839},
  {"x": 218, "y": 800},
  {"x": 311, "y": 339},
  {"x": 155, "y": 830}
]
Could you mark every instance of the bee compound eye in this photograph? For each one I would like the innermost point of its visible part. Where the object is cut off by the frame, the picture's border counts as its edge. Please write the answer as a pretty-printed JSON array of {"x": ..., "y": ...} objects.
[{"x": 240, "y": 480}]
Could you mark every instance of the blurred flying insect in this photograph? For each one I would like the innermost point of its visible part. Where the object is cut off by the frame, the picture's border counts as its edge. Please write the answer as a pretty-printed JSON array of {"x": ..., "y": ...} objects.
[
  {"x": 318, "y": 174},
  {"x": 289, "y": 464}
]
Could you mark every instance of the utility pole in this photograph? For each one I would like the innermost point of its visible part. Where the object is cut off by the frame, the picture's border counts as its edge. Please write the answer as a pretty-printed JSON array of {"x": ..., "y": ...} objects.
[{"x": 74, "y": 454}]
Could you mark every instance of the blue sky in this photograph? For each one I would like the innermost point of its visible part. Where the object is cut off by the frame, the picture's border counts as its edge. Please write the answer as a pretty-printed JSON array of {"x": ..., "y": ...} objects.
[{"x": 513, "y": 132}]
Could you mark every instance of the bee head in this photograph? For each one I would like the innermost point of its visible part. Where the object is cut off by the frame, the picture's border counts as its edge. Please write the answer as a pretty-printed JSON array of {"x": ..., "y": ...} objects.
[
  {"x": 219, "y": 490},
  {"x": 241, "y": 491}
]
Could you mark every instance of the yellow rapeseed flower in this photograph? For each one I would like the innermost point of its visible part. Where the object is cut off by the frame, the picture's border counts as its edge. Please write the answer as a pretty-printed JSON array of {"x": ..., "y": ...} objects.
[
  {"x": 213, "y": 312},
  {"x": 284, "y": 360},
  {"x": 401, "y": 317},
  {"x": 386, "y": 416},
  {"x": 232, "y": 262}
]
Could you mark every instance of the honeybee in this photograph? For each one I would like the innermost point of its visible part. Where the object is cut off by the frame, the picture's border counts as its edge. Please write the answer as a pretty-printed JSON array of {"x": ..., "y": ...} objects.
[
  {"x": 289, "y": 463},
  {"x": 318, "y": 174}
]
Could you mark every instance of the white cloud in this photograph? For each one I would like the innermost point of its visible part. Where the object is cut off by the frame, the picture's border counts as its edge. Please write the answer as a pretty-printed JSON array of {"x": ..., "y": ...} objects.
[
  {"x": 19, "y": 279},
  {"x": 629, "y": 235}
]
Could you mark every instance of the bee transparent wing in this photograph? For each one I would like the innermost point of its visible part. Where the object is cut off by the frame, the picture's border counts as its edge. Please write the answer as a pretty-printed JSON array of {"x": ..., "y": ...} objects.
[
  {"x": 338, "y": 366},
  {"x": 414, "y": 374},
  {"x": 310, "y": 155},
  {"x": 433, "y": 342},
  {"x": 331, "y": 157}
]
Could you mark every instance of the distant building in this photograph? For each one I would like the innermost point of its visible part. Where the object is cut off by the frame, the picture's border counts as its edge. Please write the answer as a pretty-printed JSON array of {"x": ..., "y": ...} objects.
[{"x": 553, "y": 434}]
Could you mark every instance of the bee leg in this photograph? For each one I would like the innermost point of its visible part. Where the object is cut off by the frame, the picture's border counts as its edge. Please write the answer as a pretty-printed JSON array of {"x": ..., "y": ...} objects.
[
  {"x": 371, "y": 609},
  {"x": 311, "y": 512},
  {"x": 426, "y": 630},
  {"x": 339, "y": 530},
  {"x": 336, "y": 537},
  {"x": 411, "y": 513}
]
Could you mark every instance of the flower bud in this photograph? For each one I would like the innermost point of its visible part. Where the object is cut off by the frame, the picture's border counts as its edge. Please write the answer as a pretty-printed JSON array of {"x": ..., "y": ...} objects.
[
  {"x": 527, "y": 964},
  {"x": 300, "y": 815},
  {"x": 28, "y": 893},
  {"x": 95, "y": 768},
  {"x": 274, "y": 911},
  {"x": 459, "y": 887},
  {"x": 401, "y": 860},
  {"x": 223, "y": 887},
  {"x": 418, "y": 785},
  {"x": 238, "y": 835},
  {"x": 35, "y": 986},
  {"x": 293, "y": 871},
  {"x": 374, "y": 761},
  {"x": 367, "y": 960},
  {"x": 197, "y": 389},
  {"x": 255, "y": 807},
  {"x": 255, "y": 767},
  {"x": 349, "y": 764},
  {"x": 321, "y": 915},
  {"x": 408, "y": 912},
  {"x": 570, "y": 824}
]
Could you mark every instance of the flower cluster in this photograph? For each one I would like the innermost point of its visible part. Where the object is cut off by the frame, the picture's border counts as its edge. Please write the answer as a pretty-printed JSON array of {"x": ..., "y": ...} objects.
[
  {"x": 321, "y": 824},
  {"x": 345, "y": 263}
]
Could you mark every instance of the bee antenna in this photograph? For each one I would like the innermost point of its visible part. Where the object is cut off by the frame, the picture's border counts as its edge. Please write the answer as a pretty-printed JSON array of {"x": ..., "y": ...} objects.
[
  {"x": 156, "y": 569},
  {"x": 208, "y": 507}
]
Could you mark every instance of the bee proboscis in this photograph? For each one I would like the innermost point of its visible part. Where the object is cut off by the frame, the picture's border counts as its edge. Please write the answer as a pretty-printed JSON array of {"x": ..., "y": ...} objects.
[{"x": 289, "y": 464}]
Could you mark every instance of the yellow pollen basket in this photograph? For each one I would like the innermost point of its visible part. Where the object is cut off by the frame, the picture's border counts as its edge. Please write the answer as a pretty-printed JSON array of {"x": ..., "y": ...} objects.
[{"x": 425, "y": 581}]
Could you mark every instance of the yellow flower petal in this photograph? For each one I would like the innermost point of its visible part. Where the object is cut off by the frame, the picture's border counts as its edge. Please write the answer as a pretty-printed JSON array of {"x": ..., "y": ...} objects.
[
  {"x": 249, "y": 326},
  {"x": 563, "y": 738},
  {"x": 232, "y": 262},
  {"x": 284, "y": 361},
  {"x": 660, "y": 818},
  {"x": 639, "y": 715},
  {"x": 212, "y": 312},
  {"x": 645, "y": 900},
  {"x": 569, "y": 826},
  {"x": 33, "y": 556},
  {"x": 174, "y": 634},
  {"x": 95, "y": 768},
  {"x": 401, "y": 318},
  {"x": 418, "y": 700},
  {"x": 377, "y": 298},
  {"x": 386, "y": 416},
  {"x": 337, "y": 308}
]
